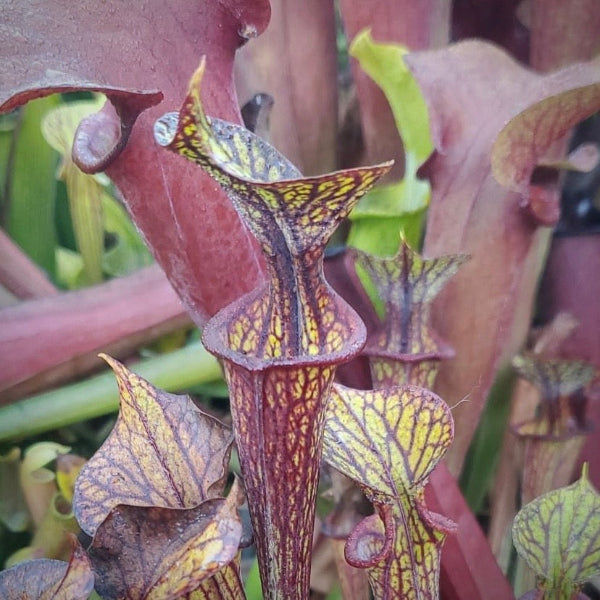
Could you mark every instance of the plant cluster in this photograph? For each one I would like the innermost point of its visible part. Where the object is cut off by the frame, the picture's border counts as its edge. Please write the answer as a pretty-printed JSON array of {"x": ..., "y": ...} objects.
[{"x": 156, "y": 509}]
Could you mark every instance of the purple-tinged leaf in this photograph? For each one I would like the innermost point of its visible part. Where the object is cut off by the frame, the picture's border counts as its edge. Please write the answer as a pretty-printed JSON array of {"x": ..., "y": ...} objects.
[
  {"x": 151, "y": 553},
  {"x": 64, "y": 46},
  {"x": 405, "y": 349},
  {"x": 562, "y": 402},
  {"x": 47, "y": 579},
  {"x": 553, "y": 438},
  {"x": 19, "y": 274},
  {"x": 303, "y": 122},
  {"x": 570, "y": 284},
  {"x": 523, "y": 142},
  {"x": 562, "y": 33},
  {"x": 469, "y": 569},
  {"x": 471, "y": 212},
  {"x": 282, "y": 342},
  {"x": 37, "y": 340}
]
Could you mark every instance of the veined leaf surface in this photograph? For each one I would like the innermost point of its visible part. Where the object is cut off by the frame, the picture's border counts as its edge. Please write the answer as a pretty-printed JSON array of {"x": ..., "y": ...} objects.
[
  {"x": 282, "y": 342},
  {"x": 558, "y": 534},
  {"x": 163, "y": 451},
  {"x": 405, "y": 349},
  {"x": 562, "y": 401},
  {"x": 399, "y": 434},
  {"x": 389, "y": 441},
  {"x": 292, "y": 218}
]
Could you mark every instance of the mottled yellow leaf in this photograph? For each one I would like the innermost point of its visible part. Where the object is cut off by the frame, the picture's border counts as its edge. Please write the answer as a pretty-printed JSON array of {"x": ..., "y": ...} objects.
[
  {"x": 291, "y": 216},
  {"x": 282, "y": 342},
  {"x": 386, "y": 440},
  {"x": 554, "y": 377},
  {"x": 389, "y": 441},
  {"x": 562, "y": 406},
  {"x": 407, "y": 283},
  {"x": 163, "y": 451}
]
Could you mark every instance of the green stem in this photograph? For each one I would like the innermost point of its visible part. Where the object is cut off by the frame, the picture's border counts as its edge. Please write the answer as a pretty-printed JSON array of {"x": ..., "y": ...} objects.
[{"x": 98, "y": 395}]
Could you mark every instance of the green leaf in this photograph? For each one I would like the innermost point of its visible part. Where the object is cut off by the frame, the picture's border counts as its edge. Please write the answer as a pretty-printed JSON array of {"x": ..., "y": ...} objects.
[
  {"x": 69, "y": 268},
  {"x": 390, "y": 210},
  {"x": 484, "y": 454},
  {"x": 32, "y": 186},
  {"x": 252, "y": 585},
  {"x": 384, "y": 63},
  {"x": 8, "y": 124},
  {"x": 129, "y": 253},
  {"x": 96, "y": 396},
  {"x": 396, "y": 209},
  {"x": 13, "y": 510},
  {"x": 558, "y": 534},
  {"x": 85, "y": 191}
]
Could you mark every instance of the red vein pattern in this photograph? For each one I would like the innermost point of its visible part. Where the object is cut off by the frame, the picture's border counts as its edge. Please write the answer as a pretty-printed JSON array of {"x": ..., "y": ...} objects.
[
  {"x": 405, "y": 349},
  {"x": 389, "y": 441},
  {"x": 163, "y": 451},
  {"x": 562, "y": 405},
  {"x": 163, "y": 454},
  {"x": 558, "y": 534},
  {"x": 282, "y": 342}
]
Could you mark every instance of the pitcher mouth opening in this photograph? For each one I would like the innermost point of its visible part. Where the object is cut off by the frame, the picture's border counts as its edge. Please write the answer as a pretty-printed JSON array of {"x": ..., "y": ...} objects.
[{"x": 215, "y": 338}]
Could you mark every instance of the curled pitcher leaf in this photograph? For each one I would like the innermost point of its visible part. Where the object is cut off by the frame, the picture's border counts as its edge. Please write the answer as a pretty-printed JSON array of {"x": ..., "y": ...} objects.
[
  {"x": 152, "y": 553},
  {"x": 47, "y": 579},
  {"x": 524, "y": 140},
  {"x": 558, "y": 534},
  {"x": 282, "y": 342},
  {"x": 292, "y": 218},
  {"x": 163, "y": 451},
  {"x": 554, "y": 436},
  {"x": 389, "y": 441},
  {"x": 406, "y": 349},
  {"x": 174, "y": 205}
]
